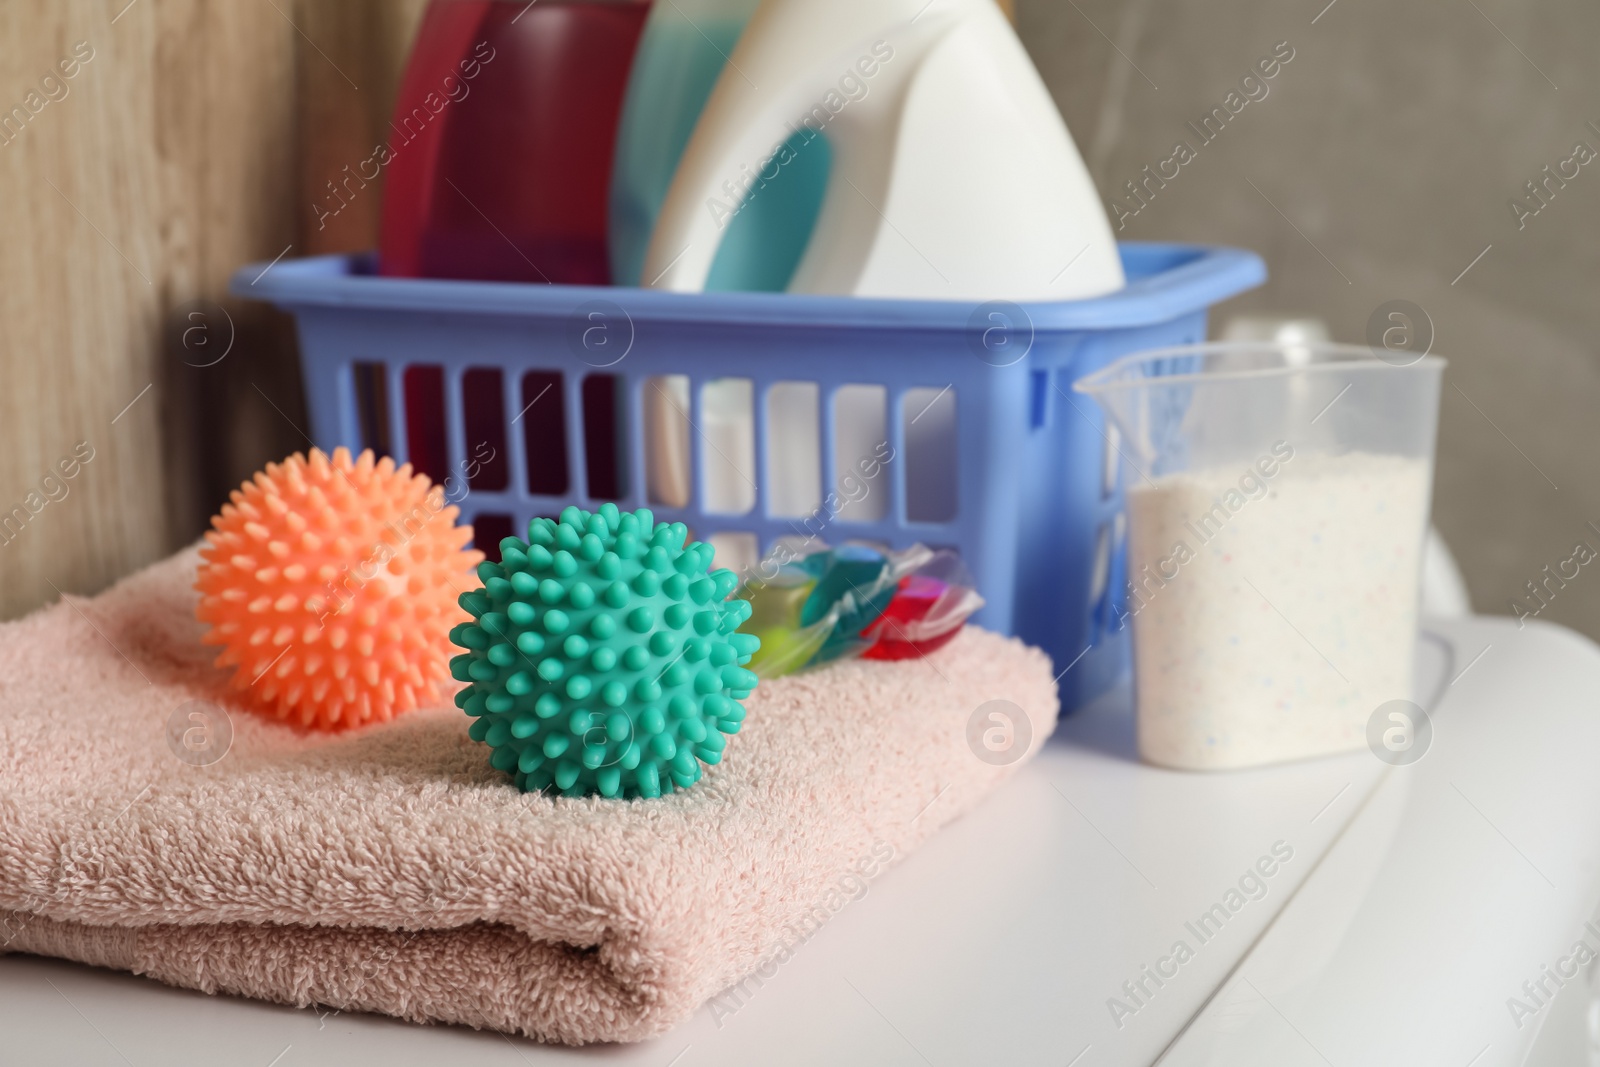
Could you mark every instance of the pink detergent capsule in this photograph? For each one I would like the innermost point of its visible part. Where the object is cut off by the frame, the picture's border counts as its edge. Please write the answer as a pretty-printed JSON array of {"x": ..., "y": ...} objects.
[{"x": 925, "y": 615}]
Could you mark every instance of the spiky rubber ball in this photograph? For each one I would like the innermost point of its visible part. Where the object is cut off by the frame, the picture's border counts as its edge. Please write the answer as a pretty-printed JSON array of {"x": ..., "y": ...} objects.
[
  {"x": 603, "y": 657},
  {"x": 331, "y": 585}
]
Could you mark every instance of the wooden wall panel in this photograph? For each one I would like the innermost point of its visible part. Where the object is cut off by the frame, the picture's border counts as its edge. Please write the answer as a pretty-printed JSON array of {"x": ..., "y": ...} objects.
[
  {"x": 347, "y": 93},
  {"x": 179, "y": 152}
]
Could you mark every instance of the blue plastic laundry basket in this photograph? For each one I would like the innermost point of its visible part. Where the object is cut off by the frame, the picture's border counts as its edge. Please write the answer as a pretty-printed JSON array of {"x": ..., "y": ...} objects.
[{"x": 1036, "y": 508}]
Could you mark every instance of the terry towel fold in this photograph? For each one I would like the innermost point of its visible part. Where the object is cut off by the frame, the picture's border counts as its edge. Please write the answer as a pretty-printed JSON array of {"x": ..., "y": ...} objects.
[{"x": 393, "y": 870}]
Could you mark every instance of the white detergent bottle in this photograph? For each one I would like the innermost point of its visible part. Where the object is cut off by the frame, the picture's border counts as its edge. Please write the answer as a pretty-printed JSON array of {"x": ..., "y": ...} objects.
[
  {"x": 953, "y": 176},
  {"x": 683, "y": 48}
]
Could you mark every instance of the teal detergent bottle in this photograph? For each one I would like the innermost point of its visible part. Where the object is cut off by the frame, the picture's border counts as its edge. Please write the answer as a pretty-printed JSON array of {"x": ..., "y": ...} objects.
[{"x": 682, "y": 52}]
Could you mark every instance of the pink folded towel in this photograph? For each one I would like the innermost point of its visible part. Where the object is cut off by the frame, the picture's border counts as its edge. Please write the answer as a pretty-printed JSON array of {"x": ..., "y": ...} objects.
[{"x": 393, "y": 870}]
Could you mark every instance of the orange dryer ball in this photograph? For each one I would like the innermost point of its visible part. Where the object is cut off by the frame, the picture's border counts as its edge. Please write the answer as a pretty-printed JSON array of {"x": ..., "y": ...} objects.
[{"x": 331, "y": 585}]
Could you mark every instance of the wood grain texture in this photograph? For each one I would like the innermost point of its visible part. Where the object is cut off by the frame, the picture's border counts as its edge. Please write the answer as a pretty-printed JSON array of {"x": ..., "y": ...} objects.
[
  {"x": 180, "y": 151},
  {"x": 347, "y": 86}
]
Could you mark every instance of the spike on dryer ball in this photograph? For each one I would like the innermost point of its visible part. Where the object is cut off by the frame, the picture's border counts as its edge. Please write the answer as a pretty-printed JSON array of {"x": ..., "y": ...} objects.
[
  {"x": 603, "y": 657},
  {"x": 330, "y": 585}
]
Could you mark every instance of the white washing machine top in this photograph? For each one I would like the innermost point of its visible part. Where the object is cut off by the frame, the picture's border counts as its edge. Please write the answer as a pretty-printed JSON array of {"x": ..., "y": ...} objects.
[{"x": 1097, "y": 911}]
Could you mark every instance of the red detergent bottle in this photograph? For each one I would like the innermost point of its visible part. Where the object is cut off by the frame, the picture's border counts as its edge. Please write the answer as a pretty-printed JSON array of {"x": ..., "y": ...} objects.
[
  {"x": 498, "y": 169},
  {"x": 501, "y": 146}
]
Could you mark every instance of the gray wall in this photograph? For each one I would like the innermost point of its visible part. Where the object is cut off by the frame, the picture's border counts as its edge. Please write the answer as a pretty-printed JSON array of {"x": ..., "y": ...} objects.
[{"x": 1394, "y": 141}]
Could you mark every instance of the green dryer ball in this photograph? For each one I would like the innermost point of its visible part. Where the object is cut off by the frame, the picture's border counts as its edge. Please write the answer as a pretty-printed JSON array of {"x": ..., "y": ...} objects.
[{"x": 603, "y": 658}]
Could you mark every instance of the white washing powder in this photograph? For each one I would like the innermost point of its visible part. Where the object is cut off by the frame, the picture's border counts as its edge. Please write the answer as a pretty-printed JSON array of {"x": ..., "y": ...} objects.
[{"x": 1271, "y": 615}]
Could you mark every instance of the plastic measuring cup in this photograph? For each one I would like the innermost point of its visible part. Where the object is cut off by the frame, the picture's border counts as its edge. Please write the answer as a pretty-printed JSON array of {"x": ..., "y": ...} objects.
[{"x": 1277, "y": 500}]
